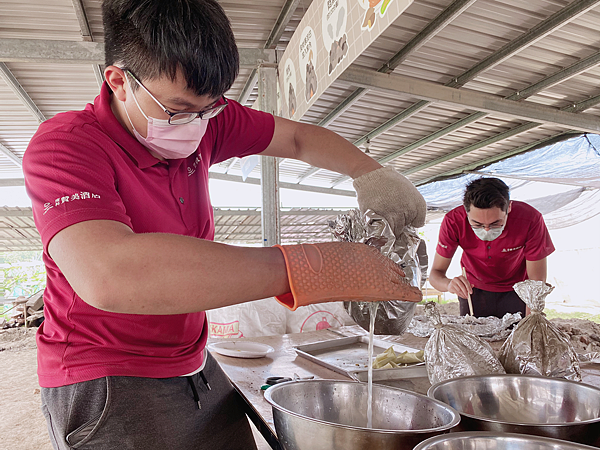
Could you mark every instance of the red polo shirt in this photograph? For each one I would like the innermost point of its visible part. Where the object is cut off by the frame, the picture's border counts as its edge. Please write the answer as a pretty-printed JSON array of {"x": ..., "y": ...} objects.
[
  {"x": 497, "y": 265},
  {"x": 83, "y": 165}
]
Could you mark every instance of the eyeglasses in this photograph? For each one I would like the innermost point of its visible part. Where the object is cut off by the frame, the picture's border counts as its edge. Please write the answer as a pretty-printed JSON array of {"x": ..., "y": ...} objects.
[
  {"x": 183, "y": 117},
  {"x": 482, "y": 226}
]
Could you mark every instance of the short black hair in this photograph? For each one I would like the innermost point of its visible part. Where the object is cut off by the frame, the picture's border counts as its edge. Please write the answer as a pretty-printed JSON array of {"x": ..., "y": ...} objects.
[
  {"x": 153, "y": 38},
  {"x": 485, "y": 193}
]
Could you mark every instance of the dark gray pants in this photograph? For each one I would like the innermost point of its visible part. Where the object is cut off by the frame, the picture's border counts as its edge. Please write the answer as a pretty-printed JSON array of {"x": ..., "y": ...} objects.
[
  {"x": 148, "y": 413},
  {"x": 486, "y": 303}
]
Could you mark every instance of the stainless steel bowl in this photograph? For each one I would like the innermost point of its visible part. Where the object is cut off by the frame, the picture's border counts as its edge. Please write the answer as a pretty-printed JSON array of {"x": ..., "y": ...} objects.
[
  {"x": 331, "y": 415},
  {"x": 551, "y": 407},
  {"x": 497, "y": 441}
]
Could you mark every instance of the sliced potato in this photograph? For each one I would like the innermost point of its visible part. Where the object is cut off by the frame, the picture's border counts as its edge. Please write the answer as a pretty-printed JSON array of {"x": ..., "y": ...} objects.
[{"x": 390, "y": 360}]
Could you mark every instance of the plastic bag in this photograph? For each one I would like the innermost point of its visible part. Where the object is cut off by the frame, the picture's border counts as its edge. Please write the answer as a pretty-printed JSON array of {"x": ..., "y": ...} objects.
[
  {"x": 536, "y": 346},
  {"x": 316, "y": 317},
  {"x": 406, "y": 250},
  {"x": 453, "y": 352},
  {"x": 268, "y": 317}
]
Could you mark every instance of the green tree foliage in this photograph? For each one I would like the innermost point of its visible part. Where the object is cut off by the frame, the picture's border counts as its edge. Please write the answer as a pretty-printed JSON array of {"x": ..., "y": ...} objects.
[{"x": 21, "y": 273}]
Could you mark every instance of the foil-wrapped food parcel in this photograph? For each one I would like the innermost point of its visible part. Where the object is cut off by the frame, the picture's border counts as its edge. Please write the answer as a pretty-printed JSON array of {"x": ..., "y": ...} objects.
[
  {"x": 406, "y": 250},
  {"x": 489, "y": 328},
  {"x": 453, "y": 352},
  {"x": 536, "y": 346}
]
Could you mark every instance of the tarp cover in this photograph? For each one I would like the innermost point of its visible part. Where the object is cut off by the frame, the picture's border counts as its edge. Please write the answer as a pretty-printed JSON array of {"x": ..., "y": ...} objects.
[{"x": 571, "y": 168}]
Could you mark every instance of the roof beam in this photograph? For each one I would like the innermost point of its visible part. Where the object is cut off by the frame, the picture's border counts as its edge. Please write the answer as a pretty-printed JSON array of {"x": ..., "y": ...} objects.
[
  {"x": 86, "y": 33},
  {"x": 11, "y": 155},
  {"x": 258, "y": 226},
  {"x": 470, "y": 99},
  {"x": 286, "y": 14},
  {"x": 558, "y": 77},
  {"x": 25, "y": 212},
  {"x": 80, "y": 52},
  {"x": 541, "y": 30},
  {"x": 293, "y": 212},
  {"x": 230, "y": 165},
  {"x": 282, "y": 185},
  {"x": 492, "y": 104},
  {"x": 455, "y": 9},
  {"x": 435, "y": 26},
  {"x": 10, "y": 182},
  {"x": 581, "y": 106},
  {"x": 20, "y": 92}
]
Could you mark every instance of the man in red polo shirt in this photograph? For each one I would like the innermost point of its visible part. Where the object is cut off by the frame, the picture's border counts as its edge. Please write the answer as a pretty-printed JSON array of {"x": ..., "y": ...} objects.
[
  {"x": 503, "y": 242},
  {"x": 120, "y": 198}
]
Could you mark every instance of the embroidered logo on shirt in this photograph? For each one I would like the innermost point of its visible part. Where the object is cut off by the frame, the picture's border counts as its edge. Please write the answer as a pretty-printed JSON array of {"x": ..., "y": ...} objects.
[
  {"x": 506, "y": 250},
  {"x": 69, "y": 198},
  {"x": 192, "y": 170},
  {"x": 442, "y": 245}
]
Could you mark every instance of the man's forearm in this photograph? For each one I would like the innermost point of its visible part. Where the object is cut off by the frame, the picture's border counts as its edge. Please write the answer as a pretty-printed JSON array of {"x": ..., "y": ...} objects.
[
  {"x": 322, "y": 148},
  {"x": 439, "y": 280},
  {"x": 202, "y": 275}
]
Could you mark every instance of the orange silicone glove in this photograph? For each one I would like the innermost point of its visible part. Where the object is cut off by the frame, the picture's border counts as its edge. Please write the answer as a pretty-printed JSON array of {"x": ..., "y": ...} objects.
[{"x": 346, "y": 271}]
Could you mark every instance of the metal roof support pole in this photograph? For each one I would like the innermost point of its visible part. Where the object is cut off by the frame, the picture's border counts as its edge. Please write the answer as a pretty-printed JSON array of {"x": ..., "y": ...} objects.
[
  {"x": 20, "y": 92},
  {"x": 282, "y": 185},
  {"x": 86, "y": 33},
  {"x": 11, "y": 155},
  {"x": 286, "y": 14},
  {"x": 269, "y": 168}
]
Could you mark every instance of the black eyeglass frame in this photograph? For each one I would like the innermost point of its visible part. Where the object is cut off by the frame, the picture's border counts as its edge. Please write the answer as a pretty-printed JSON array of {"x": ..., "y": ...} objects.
[{"x": 190, "y": 116}]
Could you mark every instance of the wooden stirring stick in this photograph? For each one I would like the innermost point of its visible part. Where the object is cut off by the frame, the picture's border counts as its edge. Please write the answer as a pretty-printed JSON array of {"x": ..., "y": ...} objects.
[{"x": 464, "y": 272}]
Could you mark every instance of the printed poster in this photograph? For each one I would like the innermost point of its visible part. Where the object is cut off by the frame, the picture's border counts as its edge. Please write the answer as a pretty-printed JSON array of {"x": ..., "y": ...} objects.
[{"x": 330, "y": 36}]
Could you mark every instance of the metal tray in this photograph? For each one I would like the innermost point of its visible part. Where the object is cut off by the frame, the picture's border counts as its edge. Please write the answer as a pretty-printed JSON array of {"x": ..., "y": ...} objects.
[{"x": 348, "y": 356}]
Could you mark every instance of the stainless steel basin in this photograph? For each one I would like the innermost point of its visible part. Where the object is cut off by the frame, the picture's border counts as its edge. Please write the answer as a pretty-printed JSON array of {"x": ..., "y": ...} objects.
[
  {"x": 551, "y": 407},
  {"x": 331, "y": 415},
  {"x": 496, "y": 441}
]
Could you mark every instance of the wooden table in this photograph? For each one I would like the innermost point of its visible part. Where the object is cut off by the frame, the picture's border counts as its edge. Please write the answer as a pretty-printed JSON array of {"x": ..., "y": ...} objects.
[{"x": 248, "y": 375}]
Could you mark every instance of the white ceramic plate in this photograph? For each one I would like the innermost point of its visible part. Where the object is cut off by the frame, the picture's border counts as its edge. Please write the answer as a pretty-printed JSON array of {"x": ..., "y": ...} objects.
[{"x": 241, "y": 349}]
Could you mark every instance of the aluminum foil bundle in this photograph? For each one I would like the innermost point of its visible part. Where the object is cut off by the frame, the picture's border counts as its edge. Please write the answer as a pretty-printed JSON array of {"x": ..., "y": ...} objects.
[
  {"x": 453, "y": 352},
  {"x": 489, "y": 328},
  {"x": 536, "y": 346},
  {"x": 406, "y": 250}
]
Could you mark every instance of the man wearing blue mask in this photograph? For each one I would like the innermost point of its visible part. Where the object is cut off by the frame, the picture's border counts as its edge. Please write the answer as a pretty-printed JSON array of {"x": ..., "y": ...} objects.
[
  {"x": 120, "y": 198},
  {"x": 503, "y": 242}
]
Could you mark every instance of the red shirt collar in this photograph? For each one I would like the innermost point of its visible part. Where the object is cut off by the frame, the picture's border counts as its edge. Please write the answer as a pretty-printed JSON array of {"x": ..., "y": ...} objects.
[{"x": 120, "y": 135}]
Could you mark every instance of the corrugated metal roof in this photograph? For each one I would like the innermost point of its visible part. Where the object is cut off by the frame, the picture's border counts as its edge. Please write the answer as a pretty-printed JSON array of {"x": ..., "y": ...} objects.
[
  {"x": 17, "y": 230},
  {"x": 479, "y": 32}
]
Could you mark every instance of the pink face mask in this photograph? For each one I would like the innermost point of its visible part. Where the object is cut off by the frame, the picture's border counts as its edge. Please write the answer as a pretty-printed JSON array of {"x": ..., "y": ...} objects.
[{"x": 170, "y": 141}]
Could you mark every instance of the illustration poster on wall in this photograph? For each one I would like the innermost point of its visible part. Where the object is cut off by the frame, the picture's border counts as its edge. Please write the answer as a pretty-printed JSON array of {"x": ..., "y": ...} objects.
[
  {"x": 289, "y": 86},
  {"x": 335, "y": 16},
  {"x": 373, "y": 8},
  {"x": 330, "y": 36},
  {"x": 308, "y": 60},
  {"x": 279, "y": 111}
]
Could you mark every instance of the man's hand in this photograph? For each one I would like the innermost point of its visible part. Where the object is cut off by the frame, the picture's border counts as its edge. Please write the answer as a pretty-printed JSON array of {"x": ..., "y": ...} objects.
[
  {"x": 336, "y": 271},
  {"x": 393, "y": 196},
  {"x": 460, "y": 286}
]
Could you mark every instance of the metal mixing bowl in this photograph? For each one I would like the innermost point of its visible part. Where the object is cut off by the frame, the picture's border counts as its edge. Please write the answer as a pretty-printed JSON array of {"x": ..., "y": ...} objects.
[
  {"x": 331, "y": 415},
  {"x": 496, "y": 441},
  {"x": 552, "y": 407}
]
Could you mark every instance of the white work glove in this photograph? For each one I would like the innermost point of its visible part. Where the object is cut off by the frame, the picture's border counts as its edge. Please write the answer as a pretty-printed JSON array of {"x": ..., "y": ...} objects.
[{"x": 392, "y": 196}]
